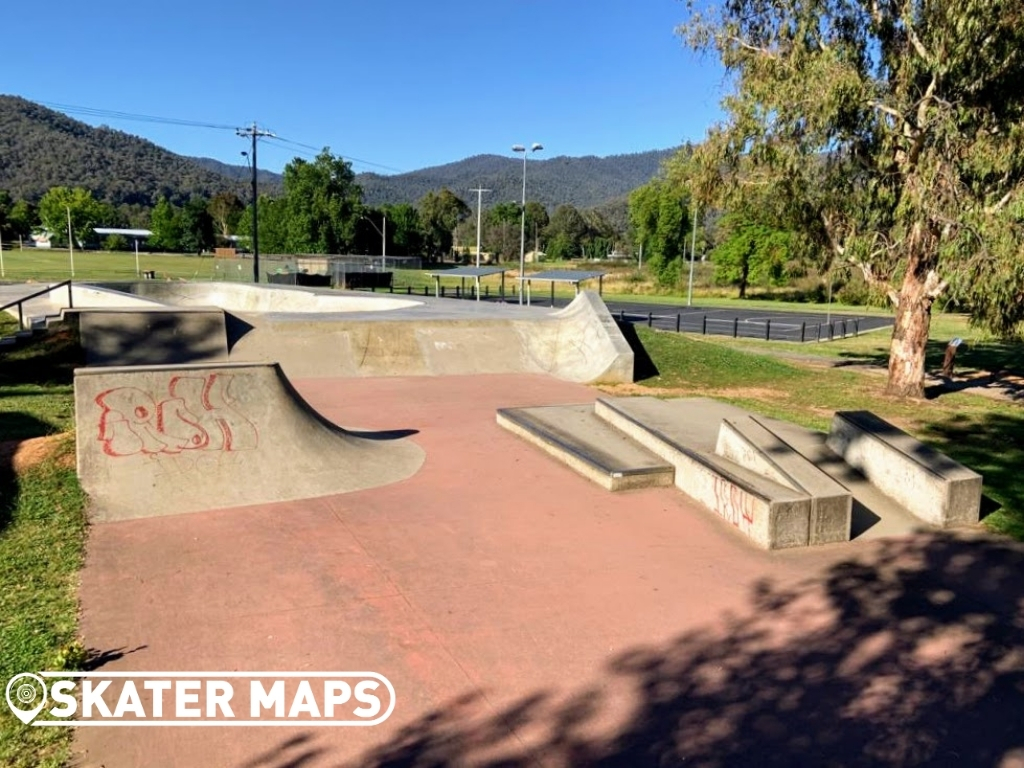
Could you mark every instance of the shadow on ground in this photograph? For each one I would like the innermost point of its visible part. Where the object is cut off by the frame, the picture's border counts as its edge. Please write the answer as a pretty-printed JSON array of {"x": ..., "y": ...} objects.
[
  {"x": 643, "y": 365},
  {"x": 994, "y": 356},
  {"x": 50, "y": 360},
  {"x": 911, "y": 654},
  {"x": 992, "y": 444},
  {"x": 22, "y": 426}
]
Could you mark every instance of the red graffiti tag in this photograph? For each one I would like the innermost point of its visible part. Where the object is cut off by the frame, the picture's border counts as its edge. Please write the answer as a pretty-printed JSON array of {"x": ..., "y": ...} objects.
[
  {"x": 195, "y": 416},
  {"x": 732, "y": 503}
]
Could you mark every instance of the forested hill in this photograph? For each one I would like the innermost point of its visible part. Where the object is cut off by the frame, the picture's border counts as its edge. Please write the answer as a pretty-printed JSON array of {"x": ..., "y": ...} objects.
[
  {"x": 268, "y": 180},
  {"x": 582, "y": 181},
  {"x": 41, "y": 148}
]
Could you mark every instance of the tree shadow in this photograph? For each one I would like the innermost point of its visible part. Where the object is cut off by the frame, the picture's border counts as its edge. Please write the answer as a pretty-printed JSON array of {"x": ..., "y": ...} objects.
[
  {"x": 911, "y": 653},
  {"x": 992, "y": 444},
  {"x": 47, "y": 361},
  {"x": 1008, "y": 388},
  {"x": 15, "y": 428},
  {"x": 997, "y": 357},
  {"x": 95, "y": 658}
]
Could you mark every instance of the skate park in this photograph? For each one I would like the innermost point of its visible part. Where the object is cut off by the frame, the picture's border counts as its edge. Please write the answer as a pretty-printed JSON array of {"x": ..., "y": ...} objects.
[{"x": 273, "y": 485}]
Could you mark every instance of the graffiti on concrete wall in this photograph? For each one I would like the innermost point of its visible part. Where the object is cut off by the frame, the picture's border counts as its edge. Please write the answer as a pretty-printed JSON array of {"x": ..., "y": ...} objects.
[
  {"x": 732, "y": 503},
  {"x": 193, "y": 415}
]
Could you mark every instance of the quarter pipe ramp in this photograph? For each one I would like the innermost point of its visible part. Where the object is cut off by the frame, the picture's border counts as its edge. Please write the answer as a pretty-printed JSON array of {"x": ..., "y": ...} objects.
[{"x": 159, "y": 440}]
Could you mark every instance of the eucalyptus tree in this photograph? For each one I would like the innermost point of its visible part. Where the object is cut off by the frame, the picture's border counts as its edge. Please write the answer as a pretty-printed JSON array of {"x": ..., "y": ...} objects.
[{"x": 891, "y": 132}]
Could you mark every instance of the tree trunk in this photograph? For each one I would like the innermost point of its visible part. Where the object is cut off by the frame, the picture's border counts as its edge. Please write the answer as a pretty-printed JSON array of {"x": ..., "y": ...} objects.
[
  {"x": 744, "y": 276},
  {"x": 910, "y": 333}
]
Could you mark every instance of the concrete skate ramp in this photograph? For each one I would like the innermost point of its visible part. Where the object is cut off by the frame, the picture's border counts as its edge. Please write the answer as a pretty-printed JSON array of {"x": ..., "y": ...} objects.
[
  {"x": 579, "y": 343},
  {"x": 241, "y": 297},
  {"x": 161, "y": 440},
  {"x": 81, "y": 295},
  {"x": 334, "y": 334}
]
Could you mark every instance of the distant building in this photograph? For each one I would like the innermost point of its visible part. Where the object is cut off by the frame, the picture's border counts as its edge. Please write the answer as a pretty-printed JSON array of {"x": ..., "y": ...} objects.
[{"x": 40, "y": 239}]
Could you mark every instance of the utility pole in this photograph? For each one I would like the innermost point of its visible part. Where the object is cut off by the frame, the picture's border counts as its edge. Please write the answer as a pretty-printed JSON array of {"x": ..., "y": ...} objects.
[
  {"x": 479, "y": 208},
  {"x": 254, "y": 133}
]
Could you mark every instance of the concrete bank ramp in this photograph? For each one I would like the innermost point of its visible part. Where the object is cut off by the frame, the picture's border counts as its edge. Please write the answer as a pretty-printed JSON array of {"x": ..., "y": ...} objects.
[
  {"x": 335, "y": 334},
  {"x": 579, "y": 343},
  {"x": 160, "y": 440}
]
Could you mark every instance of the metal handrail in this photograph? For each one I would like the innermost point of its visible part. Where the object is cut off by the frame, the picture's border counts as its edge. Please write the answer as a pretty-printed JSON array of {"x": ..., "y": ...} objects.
[{"x": 18, "y": 303}]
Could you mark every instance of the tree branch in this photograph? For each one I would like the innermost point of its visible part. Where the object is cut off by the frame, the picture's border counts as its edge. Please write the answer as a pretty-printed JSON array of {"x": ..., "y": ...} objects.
[
  {"x": 916, "y": 42},
  {"x": 875, "y": 104},
  {"x": 1001, "y": 204},
  {"x": 934, "y": 286},
  {"x": 753, "y": 48}
]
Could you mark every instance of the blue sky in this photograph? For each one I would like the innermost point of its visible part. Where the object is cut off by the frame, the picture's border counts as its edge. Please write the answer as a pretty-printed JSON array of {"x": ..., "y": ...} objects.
[{"x": 393, "y": 85}]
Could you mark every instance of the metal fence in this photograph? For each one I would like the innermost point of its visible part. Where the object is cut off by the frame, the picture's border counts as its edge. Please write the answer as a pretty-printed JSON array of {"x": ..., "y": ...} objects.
[
  {"x": 768, "y": 329},
  {"x": 281, "y": 268}
]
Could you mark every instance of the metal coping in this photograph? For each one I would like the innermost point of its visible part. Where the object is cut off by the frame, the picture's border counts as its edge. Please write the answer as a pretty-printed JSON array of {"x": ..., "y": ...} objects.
[
  {"x": 469, "y": 272},
  {"x": 565, "y": 275}
]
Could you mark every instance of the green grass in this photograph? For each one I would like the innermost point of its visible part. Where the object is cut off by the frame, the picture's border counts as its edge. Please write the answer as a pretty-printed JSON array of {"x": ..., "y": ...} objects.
[
  {"x": 42, "y": 535},
  {"x": 984, "y": 434},
  {"x": 980, "y": 351},
  {"x": 41, "y": 264},
  {"x": 36, "y": 394}
]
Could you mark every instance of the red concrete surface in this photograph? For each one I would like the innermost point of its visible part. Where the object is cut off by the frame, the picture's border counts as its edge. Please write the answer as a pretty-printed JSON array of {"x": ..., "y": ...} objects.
[{"x": 524, "y": 614}]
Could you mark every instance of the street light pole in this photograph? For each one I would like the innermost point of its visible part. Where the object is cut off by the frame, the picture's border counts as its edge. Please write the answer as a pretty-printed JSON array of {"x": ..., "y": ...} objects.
[
  {"x": 383, "y": 239},
  {"x": 693, "y": 253},
  {"x": 479, "y": 209},
  {"x": 535, "y": 147},
  {"x": 71, "y": 241}
]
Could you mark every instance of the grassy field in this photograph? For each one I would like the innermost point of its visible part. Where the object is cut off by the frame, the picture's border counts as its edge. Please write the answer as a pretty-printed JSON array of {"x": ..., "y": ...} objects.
[
  {"x": 42, "y": 534},
  {"x": 622, "y": 282}
]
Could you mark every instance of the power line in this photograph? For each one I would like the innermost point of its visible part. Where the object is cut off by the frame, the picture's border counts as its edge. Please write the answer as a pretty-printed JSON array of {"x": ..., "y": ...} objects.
[
  {"x": 129, "y": 116},
  {"x": 111, "y": 114},
  {"x": 343, "y": 157}
]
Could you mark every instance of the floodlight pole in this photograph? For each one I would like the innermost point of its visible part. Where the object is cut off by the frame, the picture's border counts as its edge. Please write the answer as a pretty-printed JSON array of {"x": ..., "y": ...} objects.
[
  {"x": 254, "y": 133},
  {"x": 137, "y": 272},
  {"x": 535, "y": 147},
  {"x": 479, "y": 209}
]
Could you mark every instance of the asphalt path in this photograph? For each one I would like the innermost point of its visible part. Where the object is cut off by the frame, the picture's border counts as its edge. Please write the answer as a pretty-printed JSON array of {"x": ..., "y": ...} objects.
[{"x": 753, "y": 323}]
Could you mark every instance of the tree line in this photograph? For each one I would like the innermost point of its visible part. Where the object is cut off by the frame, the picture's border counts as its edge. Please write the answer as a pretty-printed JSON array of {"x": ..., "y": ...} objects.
[{"x": 320, "y": 210}]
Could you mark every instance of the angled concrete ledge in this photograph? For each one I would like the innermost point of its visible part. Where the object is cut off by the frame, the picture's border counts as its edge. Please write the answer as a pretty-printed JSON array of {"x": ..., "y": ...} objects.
[
  {"x": 772, "y": 515},
  {"x": 931, "y": 485},
  {"x": 751, "y": 444},
  {"x": 574, "y": 435}
]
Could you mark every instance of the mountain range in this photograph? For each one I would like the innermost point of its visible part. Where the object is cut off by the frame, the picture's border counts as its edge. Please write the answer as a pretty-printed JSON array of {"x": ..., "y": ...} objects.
[{"x": 41, "y": 148}]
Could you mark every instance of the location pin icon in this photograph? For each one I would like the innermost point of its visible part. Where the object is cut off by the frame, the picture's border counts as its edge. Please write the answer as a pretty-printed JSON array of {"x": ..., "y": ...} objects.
[{"x": 23, "y": 691}]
